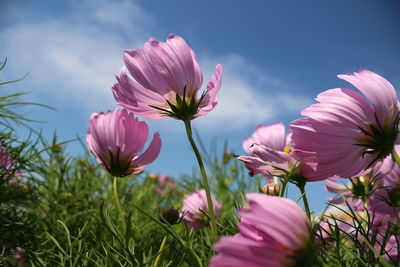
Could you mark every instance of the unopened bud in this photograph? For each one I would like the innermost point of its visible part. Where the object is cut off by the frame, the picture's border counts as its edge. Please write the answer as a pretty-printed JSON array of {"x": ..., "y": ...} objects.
[
  {"x": 171, "y": 216},
  {"x": 271, "y": 189},
  {"x": 361, "y": 186}
]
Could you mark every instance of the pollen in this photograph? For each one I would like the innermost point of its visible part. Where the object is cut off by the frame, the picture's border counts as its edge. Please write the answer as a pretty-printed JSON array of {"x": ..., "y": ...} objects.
[{"x": 287, "y": 150}]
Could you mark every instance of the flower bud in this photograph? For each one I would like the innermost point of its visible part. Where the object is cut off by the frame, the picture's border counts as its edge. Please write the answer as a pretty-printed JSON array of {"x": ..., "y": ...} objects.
[
  {"x": 171, "y": 216},
  {"x": 361, "y": 186},
  {"x": 271, "y": 189}
]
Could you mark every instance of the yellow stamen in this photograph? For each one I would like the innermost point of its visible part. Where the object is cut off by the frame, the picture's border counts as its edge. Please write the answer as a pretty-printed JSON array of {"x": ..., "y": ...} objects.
[{"x": 287, "y": 150}]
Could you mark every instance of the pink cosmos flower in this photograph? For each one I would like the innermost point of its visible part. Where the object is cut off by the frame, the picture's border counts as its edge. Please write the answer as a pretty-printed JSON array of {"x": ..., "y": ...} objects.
[
  {"x": 265, "y": 146},
  {"x": 384, "y": 237},
  {"x": 5, "y": 160},
  {"x": 360, "y": 188},
  {"x": 391, "y": 172},
  {"x": 6, "y": 164},
  {"x": 274, "y": 231},
  {"x": 392, "y": 179},
  {"x": 391, "y": 247},
  {"x": 272, "y": 136},
  {"x": 167, "y": 78},
  {"x": 386, "y": 202},
  {"x": 194, "y": 209},
  {"x": 271, "y": 155},
  {"x": 19, "y": 255},
  {"x": 386, "y": 199},
  {"x": 337, "y": 217},
  {"x": 345, "y": 192},
  {"x": 116, "y": 138},
  {"x": 346, "y": 132},
  {"x": 165, "y": 183}
]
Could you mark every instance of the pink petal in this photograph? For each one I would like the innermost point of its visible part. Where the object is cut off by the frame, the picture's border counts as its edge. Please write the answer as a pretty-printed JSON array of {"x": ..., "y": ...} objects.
[
  {"x": 272, "y": 136},
  {"x": 136, "y": 98},
  {"x": 334, "y": 187},
  {"x": 165, "y": 66},
  {"x": 272, "y": 231},
  {"x": 376, "y": 88},
  {"x": 186, "y": 58},
  {"x": 126, "y": 143},
  {"x": 239, "y": 251},
  {"x": 210, "y": 100},
  {"x": 256, "y": 165},
  {"x": 142, "y": 70},
  {"x": 330, "y": 147},
  {"x": 139, "y": 163},
  {"x": 247, "y": 143}
]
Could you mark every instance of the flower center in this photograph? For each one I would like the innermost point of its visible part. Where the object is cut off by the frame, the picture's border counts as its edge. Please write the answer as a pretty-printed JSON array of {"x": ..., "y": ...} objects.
[
  {"x": 378, "y": 139},
  {"x": 184, "y": 107},
  {"x": 287, "y": 150}
]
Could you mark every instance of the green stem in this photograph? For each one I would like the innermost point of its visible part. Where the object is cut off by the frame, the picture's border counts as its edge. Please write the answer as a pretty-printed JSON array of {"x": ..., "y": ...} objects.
[
  {"x": 396, "y": 157},
  {"x": 365, "y": 219},
  {"x": 305, "y": 201},
  {"x": 119, "y": 207},
  {"x": 205, "y": 181},
  {"x": 283, "y": 188},
  {"x": 160, "y": 251}
]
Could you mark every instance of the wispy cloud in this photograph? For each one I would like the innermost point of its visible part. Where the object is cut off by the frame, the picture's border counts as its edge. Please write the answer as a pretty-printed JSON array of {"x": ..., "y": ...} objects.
[
  {"x": 73, "y": 59},
  {"x": 250, "y": 96}
]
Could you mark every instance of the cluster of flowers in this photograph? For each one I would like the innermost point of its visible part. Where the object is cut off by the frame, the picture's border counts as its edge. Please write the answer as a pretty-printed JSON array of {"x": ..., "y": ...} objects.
[
  {"x": 167, "y": 78},
  {"x": 345, "y": 135}
]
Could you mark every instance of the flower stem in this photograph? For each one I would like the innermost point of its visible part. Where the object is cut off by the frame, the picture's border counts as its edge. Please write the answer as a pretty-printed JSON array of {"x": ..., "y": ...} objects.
[
  {"x": 396, "y": 157},
  {"x": 283, "y": 188},
  {"x": 205, "y": 181},
  {"x": 305, "y": 201},
  {"x": 119, "y": 207},
  {"x": 365, "y": 221},
  {"x": 160, "y": 251}
]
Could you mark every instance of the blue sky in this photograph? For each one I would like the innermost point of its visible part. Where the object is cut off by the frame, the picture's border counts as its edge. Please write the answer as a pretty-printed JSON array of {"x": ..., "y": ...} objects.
[{"x": 276, "y": 55}]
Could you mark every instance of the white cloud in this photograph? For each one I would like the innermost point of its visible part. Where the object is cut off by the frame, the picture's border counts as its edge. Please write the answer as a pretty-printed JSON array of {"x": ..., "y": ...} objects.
[
  {"x": 293, "y": 103},
  {"x": 73, "y": 59},
  {"x": 248, "y": 96}
]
